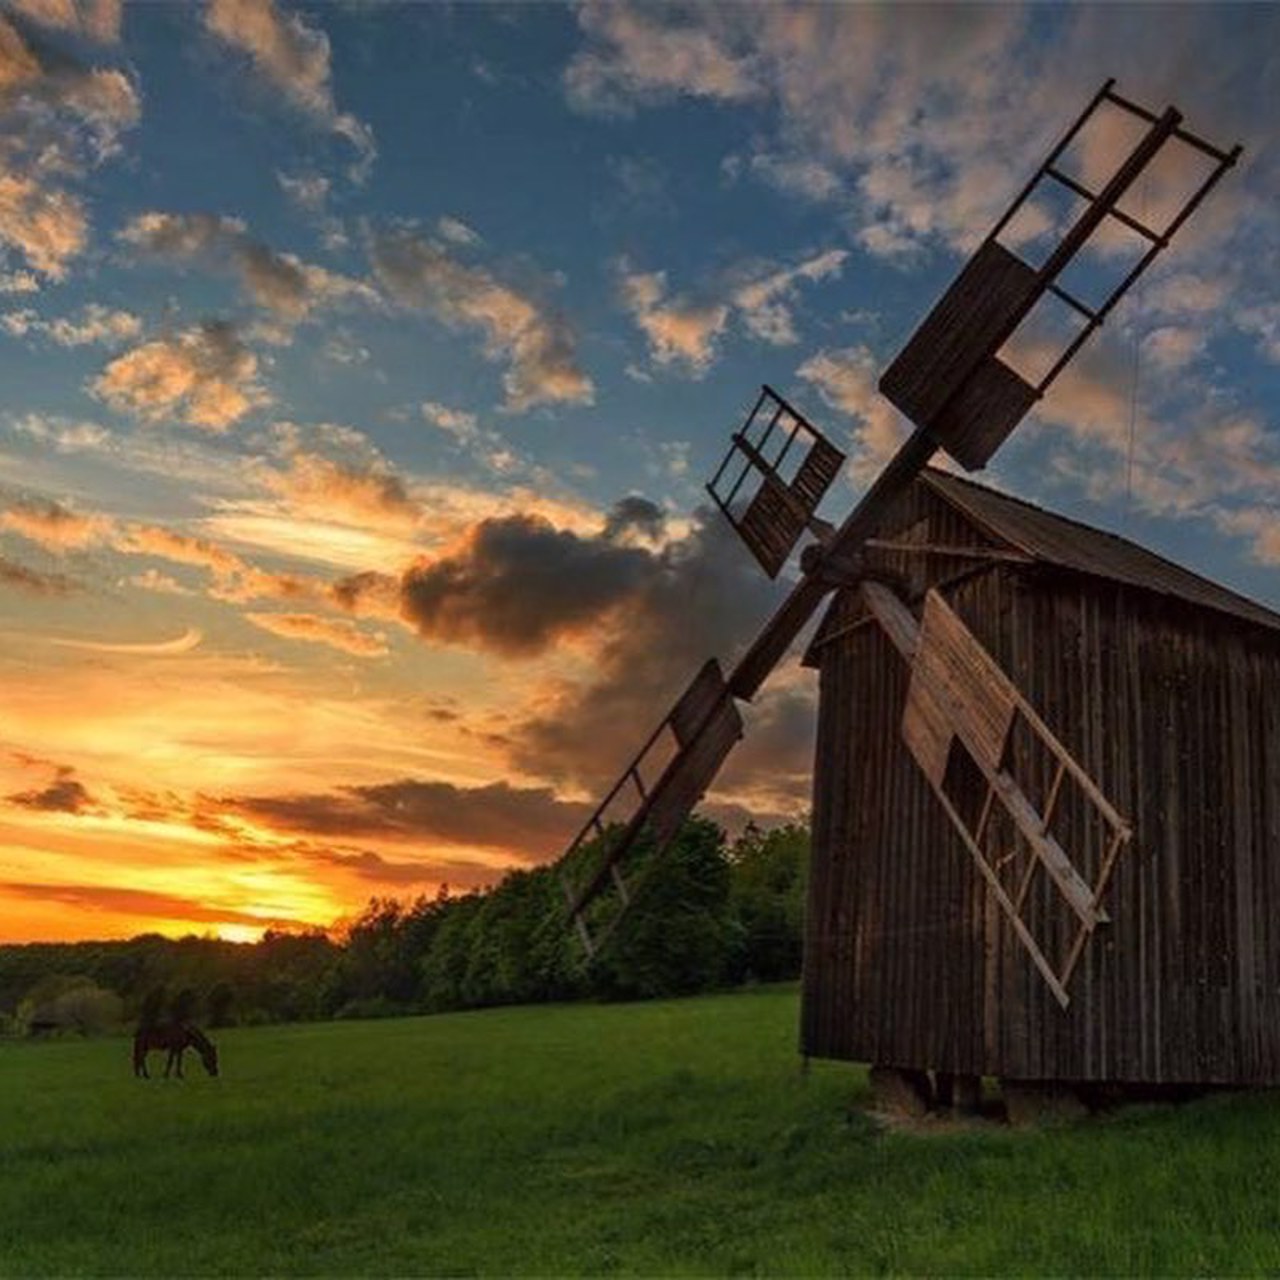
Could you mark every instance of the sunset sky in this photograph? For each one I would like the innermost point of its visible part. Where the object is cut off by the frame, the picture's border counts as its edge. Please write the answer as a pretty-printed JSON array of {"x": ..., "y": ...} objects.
[{"x": 362, "y": 364}]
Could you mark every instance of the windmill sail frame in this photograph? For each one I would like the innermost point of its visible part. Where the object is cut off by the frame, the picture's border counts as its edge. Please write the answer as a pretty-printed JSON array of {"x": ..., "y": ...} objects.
[
  {"x": 959, "y": 694},
  {"x": 780, "y": 510},
  {"x": 948, "y": 378}
]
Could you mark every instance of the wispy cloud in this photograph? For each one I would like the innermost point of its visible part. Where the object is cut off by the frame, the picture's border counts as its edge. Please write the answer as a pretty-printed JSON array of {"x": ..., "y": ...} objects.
[
  {"x": 95, "y": 323},
  {"x": 294, "y": 57},
  {"x": 52, "y": 525},
  {"x": 337, "y": 633},
  {"x": 57, "y": 118},
  {"x": 184, "y": 643},
  {"x": 685, "y": 333},
  {"x": 280, "y": 283},
  {"x": 536, "y": 342},
  {"x": 845, "y": 378}
]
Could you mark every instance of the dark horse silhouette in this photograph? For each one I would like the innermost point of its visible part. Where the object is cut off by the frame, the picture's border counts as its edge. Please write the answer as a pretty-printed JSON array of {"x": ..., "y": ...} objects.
[{"x": 176, "y": 1037}]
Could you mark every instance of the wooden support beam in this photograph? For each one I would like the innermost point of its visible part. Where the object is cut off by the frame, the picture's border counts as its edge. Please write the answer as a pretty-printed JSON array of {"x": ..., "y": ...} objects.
[{"x": 997, "y": 554}]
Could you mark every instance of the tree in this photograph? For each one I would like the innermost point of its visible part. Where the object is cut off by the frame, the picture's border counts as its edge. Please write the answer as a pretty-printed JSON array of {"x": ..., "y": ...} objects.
[
  {"x": 678, "y": 935},
  {"x": 769, "y": 880}
]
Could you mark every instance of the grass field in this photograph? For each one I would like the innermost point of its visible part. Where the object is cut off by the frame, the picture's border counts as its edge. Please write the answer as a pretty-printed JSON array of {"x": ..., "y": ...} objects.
[{"x": 667, "y": 1138}]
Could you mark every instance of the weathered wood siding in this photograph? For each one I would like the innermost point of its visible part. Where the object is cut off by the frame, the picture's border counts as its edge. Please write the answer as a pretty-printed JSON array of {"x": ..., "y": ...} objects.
[{"x": 1175, "y": 712}]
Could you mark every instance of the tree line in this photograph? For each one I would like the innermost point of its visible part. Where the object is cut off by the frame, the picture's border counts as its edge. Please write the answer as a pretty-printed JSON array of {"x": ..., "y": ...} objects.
[{"x": 710, "y": 913}]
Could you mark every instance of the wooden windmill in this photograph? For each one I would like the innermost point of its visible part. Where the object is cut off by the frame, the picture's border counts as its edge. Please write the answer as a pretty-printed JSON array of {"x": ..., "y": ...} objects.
[{"x": 955, "y": 382}]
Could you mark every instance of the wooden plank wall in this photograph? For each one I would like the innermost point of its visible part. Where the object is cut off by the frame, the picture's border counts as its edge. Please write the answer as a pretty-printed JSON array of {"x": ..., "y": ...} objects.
[{"x": 1176, "y": 713}]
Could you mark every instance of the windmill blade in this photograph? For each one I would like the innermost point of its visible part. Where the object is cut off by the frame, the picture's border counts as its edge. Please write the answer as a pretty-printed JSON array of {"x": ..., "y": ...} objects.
[
  {"x": 702, "y": 728},
  {"x": 948, "y": 378},
  {"x": 771, "y": 519},
  {"x": 958, "y": 693}
]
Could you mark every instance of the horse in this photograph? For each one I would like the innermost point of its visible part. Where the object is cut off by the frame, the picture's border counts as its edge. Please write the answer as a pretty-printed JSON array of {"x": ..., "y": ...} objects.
[{"x": 175, "y": 1037}]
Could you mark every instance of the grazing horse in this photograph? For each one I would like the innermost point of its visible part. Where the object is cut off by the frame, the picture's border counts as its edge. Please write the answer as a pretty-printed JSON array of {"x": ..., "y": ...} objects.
[{"x": 175, "y": 1037}]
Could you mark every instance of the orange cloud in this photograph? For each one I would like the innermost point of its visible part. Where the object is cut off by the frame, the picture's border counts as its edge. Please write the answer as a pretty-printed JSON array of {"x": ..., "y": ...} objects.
[
  {"x": 97, "y": 19},
  {"x": 205, "y": 377},
  {"x": 96, "y": 323},
  {"x": 62, "y": 117},
  {"x": 345, "y": 491},
  {"x": 47, "y": 226},
  {"x": 53, "y": 526},
  {"x": 845, "y": 378},
  {"x": 337, "y": 633},
  {"x": 678, "y": 332}
]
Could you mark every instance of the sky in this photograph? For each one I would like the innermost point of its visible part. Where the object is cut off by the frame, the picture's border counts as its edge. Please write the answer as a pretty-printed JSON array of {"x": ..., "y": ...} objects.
[{"x": 362, "y": 366}]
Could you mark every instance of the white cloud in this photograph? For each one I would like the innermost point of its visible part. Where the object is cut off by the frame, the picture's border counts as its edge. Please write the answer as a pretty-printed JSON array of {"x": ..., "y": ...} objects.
[
  {"x": 793, "y": 175},
  {"x": 308, "y": 191},
  {"x": 634, "y": 57},
  {"x": 18, "y": 282},
  {"x": 763, "y": 302},
  {"x": 457, "y": 232}
]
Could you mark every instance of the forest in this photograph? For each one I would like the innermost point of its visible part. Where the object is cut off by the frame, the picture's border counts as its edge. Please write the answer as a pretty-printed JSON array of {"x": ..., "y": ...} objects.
[{"x": 710, "y": 913}]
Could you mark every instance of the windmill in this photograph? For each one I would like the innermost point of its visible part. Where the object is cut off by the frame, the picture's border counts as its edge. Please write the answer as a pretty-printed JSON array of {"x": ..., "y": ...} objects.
[{"x": 957, "y": 382}]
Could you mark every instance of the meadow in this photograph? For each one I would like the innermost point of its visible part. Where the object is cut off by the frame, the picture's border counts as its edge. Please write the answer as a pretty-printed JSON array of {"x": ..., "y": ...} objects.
[{"x": 666, "y": 1138}]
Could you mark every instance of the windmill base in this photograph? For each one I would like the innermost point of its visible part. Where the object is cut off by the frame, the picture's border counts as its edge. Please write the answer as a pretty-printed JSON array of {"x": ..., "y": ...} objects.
[{"x": 901, "y": 1091}]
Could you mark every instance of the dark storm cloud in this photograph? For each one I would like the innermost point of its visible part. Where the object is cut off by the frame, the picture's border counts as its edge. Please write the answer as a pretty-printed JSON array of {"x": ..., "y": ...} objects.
[
  {"x": 703, "y": 596},
  {"x": 634, "y": 512},
  {"x": 520, "y": 584},
  {"x": 528, "y": 821},
  {"x": 458, "y": 873}
]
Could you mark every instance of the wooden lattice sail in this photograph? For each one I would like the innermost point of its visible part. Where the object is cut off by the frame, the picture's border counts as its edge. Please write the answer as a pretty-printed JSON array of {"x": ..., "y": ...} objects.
[
  {"x": 958, "y": 693},
  {"x": 774, "y": 475},
  {"x": 949, "y": 378}
]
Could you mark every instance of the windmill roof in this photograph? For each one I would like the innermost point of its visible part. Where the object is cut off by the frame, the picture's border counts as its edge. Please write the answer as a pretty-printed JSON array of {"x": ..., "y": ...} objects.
[{"x": 1057, "y": 540}]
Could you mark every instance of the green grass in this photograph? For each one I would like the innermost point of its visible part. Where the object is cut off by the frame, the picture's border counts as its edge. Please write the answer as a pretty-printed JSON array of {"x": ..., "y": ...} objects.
[{"x": 668, "y": 1138}]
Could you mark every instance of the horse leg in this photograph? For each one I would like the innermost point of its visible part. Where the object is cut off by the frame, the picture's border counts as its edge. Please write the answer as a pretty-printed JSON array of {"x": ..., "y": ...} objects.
[{"x": 177, "y": 1057}]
